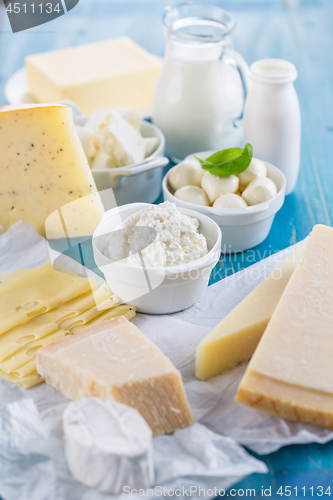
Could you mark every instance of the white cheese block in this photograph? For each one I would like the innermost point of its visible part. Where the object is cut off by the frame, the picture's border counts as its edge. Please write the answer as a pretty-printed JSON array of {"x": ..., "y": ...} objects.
[
  {"x": 108, "y": 74},
  {"x": 108, "y": 445}
]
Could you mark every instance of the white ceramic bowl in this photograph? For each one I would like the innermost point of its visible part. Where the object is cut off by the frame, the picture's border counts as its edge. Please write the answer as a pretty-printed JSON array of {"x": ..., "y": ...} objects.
[
  {"x": 157, "y": 290},
  {"x": 242, "y": 228}
]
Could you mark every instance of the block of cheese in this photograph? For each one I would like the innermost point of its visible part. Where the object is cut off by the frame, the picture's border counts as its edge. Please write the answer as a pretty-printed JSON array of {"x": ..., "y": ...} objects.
[
  {"x": 291, "y": 371},
  {"x": 107, "y": 74},
  {"x": 42, "y": 168},
  {"x": 234, "y": 340},
  {"x": 36, "y": 292},
  {"x": 114, "y": 360}
]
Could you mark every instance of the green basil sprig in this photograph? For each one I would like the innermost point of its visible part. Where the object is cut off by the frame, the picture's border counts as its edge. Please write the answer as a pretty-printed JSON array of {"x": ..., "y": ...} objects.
[{"x": 228, "y": 161}]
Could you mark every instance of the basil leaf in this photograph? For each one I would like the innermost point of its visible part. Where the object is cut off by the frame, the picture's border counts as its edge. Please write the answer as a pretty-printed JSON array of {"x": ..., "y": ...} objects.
[{"x": 228, "y": 161}]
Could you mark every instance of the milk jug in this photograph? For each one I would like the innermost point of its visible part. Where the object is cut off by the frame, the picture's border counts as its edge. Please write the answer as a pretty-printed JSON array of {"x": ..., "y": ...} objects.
[{"x": 199, "y": 97}]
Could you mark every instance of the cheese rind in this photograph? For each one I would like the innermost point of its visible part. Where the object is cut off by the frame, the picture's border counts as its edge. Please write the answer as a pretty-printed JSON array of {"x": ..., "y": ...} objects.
[
  {"x": 109, "y": 74},
  {"x": 42, "y": 168},
  {"x": 234, "y": 340},
  {"x": 114, "y": 360},
  {"x": 291, "y": 372}
]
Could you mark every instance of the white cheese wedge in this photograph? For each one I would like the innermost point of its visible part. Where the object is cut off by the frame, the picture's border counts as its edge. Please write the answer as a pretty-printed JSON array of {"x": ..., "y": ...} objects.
[
  {"x": 234, "y": 340},
  {"x": 108, "y": 445},
  {"x": 42, "y": 168},
  {"x": 108, "y": 74},
  {"x": 114, "y": 360},
  {"x": 291, "y": 372}
]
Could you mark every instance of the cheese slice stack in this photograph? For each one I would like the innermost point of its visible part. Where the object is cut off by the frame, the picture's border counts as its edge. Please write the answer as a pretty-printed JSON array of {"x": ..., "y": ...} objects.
[
  {"x": 42, "y": 168},
  {"x": 39, "y": 306},
  {"x": 235, "y": 338},
  {"x": 114, "y": 360},
  {"x": 108, "y": 74},
  {"x": 291, "y": 372}
]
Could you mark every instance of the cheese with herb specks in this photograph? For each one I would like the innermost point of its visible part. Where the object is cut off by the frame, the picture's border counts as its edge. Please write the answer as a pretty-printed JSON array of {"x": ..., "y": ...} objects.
[{"x": 42, "y": 168}]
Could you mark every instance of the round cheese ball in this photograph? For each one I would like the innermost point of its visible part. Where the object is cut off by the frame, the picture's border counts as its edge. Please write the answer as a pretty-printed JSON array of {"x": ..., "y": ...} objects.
[
  {"x": 259, "y": 190},
  {"x": 215, "y": 186},
  {"x": 256, "y": 170},
  {"x": 192, "y": 194},
  {"x": 186, "y": 173},
  {"x": 229, "y": 200}
]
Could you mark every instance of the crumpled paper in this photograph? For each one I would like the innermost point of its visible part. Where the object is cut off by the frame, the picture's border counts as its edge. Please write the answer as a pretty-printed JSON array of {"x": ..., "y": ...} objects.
[{"x": 32, "y": 463}]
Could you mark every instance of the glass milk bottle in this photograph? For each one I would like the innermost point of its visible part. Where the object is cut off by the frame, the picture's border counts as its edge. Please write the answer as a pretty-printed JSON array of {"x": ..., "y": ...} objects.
[
  {"x": 272, "y": 118},
  {"x": 199, "y": 96}
]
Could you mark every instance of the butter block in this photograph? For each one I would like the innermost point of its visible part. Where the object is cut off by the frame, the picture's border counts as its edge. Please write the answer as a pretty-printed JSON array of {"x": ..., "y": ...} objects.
[
  {"x": 42, "y": 168},
  {"x": 291, "y": 372},
  {"x": 114, "y": 360},
  {"x": 234, "y": 340},
  {"x": 107, "y": 74}
]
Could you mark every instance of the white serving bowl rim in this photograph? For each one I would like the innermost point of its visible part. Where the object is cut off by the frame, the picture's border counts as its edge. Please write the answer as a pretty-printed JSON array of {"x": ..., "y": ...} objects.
[{"x": 169, "y": 270}]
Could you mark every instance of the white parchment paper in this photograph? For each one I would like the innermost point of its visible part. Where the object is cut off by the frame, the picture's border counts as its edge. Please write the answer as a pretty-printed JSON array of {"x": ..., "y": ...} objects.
[{"x": 206, "y": 455}]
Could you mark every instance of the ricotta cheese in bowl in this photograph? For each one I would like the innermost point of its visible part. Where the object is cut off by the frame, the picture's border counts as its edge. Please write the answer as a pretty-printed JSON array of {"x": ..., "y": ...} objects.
[
  {"x": 177, "y": 239},
  {"x": 157, "y": 257}
]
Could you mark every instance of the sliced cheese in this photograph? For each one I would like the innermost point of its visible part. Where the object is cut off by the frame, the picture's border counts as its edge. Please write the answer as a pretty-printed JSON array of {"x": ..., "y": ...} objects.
[
  {"x": 28, "y": 352},
  {"x": 89, "y": 318},
  {"x": 108, "y": 74},
  {"x": 38, "y": 291},
  {"x": 291, "y": 372},
  {"x": 114, "y": 360},
  {"x": 23, "y": 382},
  {"x": 43, "y": 168},
  {"x": 63, "y": 317},
  {"x": 13, "y": 275},
  {"x": 234, "y": 340}
]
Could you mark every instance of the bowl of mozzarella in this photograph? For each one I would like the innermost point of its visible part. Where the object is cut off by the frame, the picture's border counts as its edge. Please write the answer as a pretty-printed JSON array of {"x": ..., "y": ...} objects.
[
  {"x": 244, "y": 205},
  {"x": 124, "y": 152}
]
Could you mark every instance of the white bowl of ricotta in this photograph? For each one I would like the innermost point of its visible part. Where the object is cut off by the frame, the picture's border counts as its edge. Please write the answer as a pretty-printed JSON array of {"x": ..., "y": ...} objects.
[
  {"x": 242, "y": 228},
  {"x": 188, "y": 243}
]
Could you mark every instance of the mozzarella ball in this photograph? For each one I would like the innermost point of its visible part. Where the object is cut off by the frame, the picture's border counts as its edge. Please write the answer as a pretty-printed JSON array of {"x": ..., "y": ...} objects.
[
  {"x": 256, "y": 170},
  {"x": 192, "y": 194},
  {"x": 229, "y": 200},
  {"x": 215, "y": 186},
  {"x": 186, "y": 173},
  {"x": 259, "y": 190}
]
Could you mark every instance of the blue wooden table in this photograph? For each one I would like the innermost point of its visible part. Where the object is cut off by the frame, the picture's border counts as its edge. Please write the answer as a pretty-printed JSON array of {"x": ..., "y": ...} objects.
[{"x": 298, "y": 30}]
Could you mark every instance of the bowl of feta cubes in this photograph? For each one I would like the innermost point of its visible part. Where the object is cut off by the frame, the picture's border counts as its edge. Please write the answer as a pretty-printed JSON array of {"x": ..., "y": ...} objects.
[
  {"x": 244, "y": 205},
  {"x": 124, "y": 152}
]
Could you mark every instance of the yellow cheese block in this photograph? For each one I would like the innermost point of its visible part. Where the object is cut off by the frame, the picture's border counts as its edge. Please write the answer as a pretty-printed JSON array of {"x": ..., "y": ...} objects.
[
  {"x": 114, "y": 360},
  {"x": 37, "y": 292},
  {"x": 65, "y": 317},
  {"x": 291, "y": 372},
  {"x": 108, "y": 74},
  {"x": 234, "y": 340},
  {"x": 42, "y": 168}
]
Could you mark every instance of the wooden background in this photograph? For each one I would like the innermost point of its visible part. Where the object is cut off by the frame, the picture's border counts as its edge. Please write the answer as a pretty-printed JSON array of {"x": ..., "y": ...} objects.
[{"x": 298, "y": 30}]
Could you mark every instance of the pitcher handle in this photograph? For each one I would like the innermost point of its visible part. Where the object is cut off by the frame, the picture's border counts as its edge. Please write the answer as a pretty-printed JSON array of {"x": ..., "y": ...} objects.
[{"x": 234, "y": 59}]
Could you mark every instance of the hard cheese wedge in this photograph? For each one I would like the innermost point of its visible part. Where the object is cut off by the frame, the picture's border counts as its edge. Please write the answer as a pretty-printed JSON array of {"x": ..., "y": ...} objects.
[
  {"x": 291, "y": 372},
  {"x": 234, "y": 340},
  {"x": 114, "y": 360},
  {"x": 108, "y": 74},
  {"x": 42, "y": 168}
]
